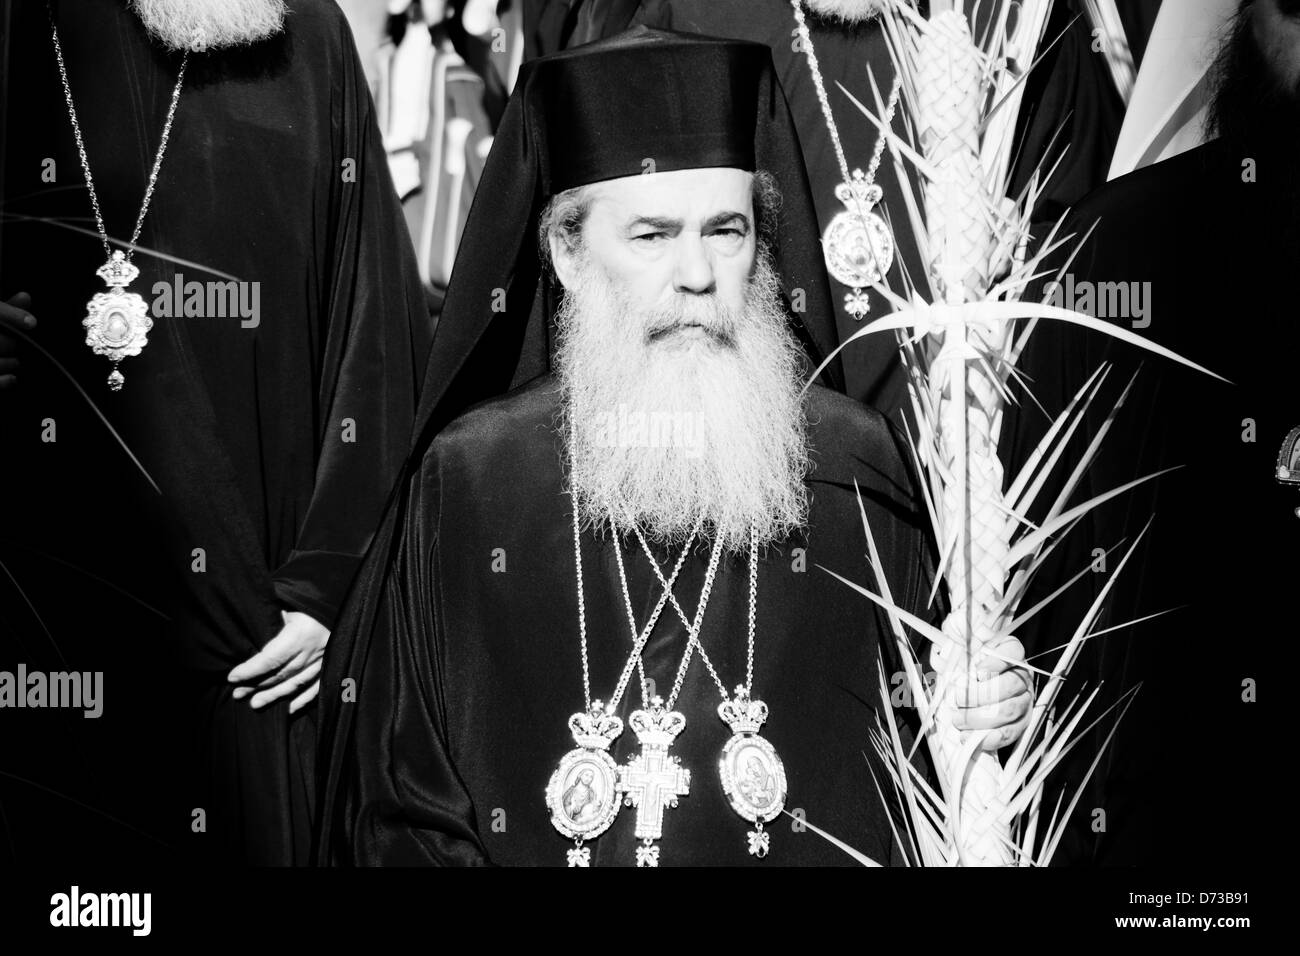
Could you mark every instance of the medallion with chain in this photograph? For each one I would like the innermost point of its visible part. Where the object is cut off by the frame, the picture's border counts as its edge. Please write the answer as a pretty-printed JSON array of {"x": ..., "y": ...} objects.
[
  {"x": 858, "y": 245},
  {"x": 117, "y": 322},
  {"x": 587, "y": 788},
  {"x": 653, "y": 780},
  {"x": 583, "y": 793}
]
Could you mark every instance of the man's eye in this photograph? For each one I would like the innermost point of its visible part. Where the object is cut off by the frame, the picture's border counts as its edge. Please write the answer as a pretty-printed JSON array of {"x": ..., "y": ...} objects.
[
  {"x": 728, "y": 236},
  {"x": 649, "y": 237}
]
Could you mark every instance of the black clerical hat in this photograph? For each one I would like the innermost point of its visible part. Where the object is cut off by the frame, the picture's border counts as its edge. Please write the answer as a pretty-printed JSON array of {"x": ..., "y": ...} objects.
[
  {"x": 594, "y": 112},
  {"x": 647, "y": 101},
  {"x": 601, "y": 111}
]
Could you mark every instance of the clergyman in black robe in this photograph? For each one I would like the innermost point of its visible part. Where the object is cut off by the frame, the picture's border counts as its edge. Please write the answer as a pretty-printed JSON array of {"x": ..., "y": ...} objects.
[
  {"x": 458, "y": 665},
  {"x": 1196, "y": 253},
  {"x": 1069, "y": 122},
  {"x": 273, "y": 427}
]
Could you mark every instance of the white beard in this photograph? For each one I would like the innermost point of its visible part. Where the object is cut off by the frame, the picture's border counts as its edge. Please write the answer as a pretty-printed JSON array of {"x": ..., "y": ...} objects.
[
  {"x": 177, "y": 24},
  {"x": 849, "y": 11},
  {"x": 671, "y": 429}
]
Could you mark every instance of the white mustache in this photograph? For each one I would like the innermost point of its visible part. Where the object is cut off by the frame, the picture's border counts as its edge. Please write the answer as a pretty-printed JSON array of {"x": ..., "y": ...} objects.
[{"x": 707, "y": 315}]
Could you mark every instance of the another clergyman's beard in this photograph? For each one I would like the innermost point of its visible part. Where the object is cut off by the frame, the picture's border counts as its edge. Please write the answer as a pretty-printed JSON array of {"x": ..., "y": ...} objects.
[
  {"x": 671, "y": 427},
  {"x": 219, "y": 23},
  {"x": 848, "y": 11},
  {"x": 1257, "y": 115},
  {"x": 1252, "y": 107}
]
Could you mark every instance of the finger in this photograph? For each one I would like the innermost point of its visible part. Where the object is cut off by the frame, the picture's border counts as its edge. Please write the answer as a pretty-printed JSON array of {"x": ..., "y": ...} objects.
[
  {"x": 20, "y": 300},
  {"x": 285, "y": 687},
  {"x": 277, "y": 652},
  {"x": 16, "y": 316},
  {"x": 1000, "y": 656},
  {"x": 993, "y": 716},
  {"x": 286, "y": 670},
  {"x": 1000, "y": 737},
  {"x": 8, "y": 381},
  {"x": 989, "y": 690},
  {"x": 305, "y": 698},
  {"x": 292, "y": 667}
]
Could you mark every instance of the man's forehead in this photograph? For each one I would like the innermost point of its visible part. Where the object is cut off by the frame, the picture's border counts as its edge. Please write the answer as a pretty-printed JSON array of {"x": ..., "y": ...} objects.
[{"x": 679, "y": 192}]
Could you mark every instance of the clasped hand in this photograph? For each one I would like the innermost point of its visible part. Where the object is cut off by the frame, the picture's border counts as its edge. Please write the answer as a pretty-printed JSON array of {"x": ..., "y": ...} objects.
[
  {"x": 290, "y": 663},
  {"x": 997, "y": 704}
]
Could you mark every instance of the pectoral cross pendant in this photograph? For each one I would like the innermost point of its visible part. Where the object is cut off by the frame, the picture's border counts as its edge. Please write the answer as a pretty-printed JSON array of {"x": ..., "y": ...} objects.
[{"x": 653, "y": 780}]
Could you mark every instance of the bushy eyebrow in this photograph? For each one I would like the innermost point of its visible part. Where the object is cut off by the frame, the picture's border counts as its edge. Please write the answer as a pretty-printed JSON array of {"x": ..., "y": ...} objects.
[
  {"x": 665, "y": 224},
  {"x": 722, "y": 218}
]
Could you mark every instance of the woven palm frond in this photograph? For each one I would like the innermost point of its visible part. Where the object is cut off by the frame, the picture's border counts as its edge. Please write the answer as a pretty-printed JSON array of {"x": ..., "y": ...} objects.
[{"x": 962, "y": 328}]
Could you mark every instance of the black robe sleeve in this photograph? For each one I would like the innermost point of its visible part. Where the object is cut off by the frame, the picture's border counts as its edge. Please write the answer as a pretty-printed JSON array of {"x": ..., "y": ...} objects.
[
  {"x": 377, "y": 336},
  {"x": 391, "y": 793}
]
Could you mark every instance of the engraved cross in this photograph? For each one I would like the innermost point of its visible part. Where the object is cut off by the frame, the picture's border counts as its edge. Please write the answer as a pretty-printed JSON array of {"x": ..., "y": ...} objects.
[{"x": 653, "y": 781}]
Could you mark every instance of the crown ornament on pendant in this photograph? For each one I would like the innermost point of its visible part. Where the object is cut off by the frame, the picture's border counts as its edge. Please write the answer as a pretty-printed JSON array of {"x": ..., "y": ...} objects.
[
  {"x": 118, "y": 271},
  {"x": 596, "y": 729},
  {"x": 742, "y": 715},
  {"x": 858, "y": 245},
  {"x": 657, "y": 727},
  {"x": 858, "y": 194}
]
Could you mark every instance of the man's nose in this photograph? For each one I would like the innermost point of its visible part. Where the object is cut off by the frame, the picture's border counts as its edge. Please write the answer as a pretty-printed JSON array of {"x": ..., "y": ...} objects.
[{"x": 693, "y": 272}]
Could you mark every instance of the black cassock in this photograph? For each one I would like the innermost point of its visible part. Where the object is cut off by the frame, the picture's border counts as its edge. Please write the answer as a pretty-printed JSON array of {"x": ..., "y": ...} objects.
[
  {"x": 1211, "y": 246},
  {"x": 474, "y": 666},
  {"x": 274, "y": 175}
]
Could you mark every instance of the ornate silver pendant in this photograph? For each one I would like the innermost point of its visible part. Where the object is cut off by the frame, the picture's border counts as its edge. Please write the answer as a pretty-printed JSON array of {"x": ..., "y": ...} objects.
[
  {"x": 117, "y": 322},
  {"x": 1288, "y": 461},
  {"x": 753, "y": 777},
  {"x": 583, "y": 793},
  {"x": 652, "y": 780},
  {"x": 857, "y": 245}
]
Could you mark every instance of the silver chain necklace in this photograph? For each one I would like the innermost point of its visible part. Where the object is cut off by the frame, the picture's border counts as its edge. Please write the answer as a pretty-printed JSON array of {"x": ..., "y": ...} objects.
[
  {"x": 692, "y": 629},
  {"x": 857, "y": 245},
  {"x": 587, "y": 788},
  {"x": 117, "y": 322},
  {"x": 753, "y": 776},
  {"x": 585, "y": 791}
]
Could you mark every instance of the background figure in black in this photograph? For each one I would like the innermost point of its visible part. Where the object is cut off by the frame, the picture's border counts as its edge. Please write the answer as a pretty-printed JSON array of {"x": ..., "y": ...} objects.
[
  {"x": 1202, "y": 247},
  {"x": 267, "y": 439}
]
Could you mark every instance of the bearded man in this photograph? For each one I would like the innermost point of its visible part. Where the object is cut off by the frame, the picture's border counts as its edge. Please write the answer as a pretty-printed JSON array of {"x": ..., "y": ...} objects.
[
  {"x": 1220, "y": 549},
  {"x": 825, "y": 53},
  {"x": 215, "y": 506},
  {"x": 622, "y": 558}
]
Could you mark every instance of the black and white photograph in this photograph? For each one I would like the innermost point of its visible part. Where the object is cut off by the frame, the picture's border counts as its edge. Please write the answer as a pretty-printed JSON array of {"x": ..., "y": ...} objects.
[{"x": 514, "y": 434}]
